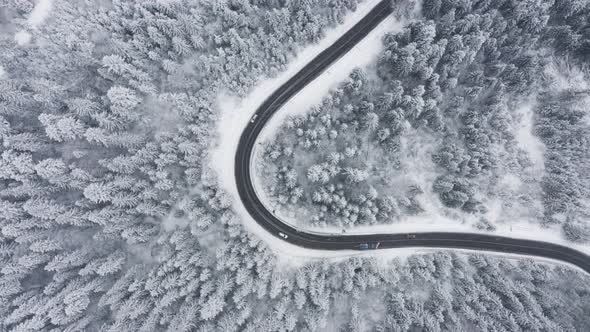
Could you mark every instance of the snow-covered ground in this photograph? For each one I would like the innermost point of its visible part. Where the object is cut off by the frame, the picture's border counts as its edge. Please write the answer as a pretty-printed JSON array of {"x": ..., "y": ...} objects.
[
  {"x": 527, "y": 140},
  {"x": 22, "y": 37},
  {"x": 235, "y": 114}
]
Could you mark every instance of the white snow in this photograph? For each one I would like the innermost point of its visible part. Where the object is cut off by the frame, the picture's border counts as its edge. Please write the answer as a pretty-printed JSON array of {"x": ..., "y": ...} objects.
[
  {"x": 527, "y": 140},
  {"x": 510, "y": 181},
  {"x": 2, "y": 72},
  {"x": 37, "y": 16},
  {"x": 22, "y": 38},
  {"x": 39, "y": 13}
]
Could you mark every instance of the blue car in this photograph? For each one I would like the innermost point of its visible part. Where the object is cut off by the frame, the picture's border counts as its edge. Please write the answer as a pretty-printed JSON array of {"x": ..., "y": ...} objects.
[{"x": 369, "y": 245}]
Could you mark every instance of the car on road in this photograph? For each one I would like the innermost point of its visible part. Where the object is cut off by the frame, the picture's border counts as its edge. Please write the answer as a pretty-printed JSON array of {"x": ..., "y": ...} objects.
[
  {"x": 283, "y": 235},
  {"x": 369, "y": 245},
  {"x": 410, "y": 236},
  {"x": 253, "y": 118}
]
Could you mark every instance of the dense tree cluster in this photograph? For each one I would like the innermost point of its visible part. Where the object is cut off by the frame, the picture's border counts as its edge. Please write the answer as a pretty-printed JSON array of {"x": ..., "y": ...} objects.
[
  {"x": 334, "y": 148},
  {"x": 460, "y": 76},
  {"x": 565, "y": 130},
  {"x": 107, "y": 115}
]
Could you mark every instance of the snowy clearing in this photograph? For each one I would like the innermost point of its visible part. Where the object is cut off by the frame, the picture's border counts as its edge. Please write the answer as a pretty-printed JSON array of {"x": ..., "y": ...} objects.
[
  {"x": 527, "y": 140},
  {"x": 22, "y": 37}
]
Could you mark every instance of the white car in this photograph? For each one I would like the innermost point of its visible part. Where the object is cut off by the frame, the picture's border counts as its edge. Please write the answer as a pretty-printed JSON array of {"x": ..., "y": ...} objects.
[
  {"x": 253, "y": 118},
  {"x": 283, "y": 235}
]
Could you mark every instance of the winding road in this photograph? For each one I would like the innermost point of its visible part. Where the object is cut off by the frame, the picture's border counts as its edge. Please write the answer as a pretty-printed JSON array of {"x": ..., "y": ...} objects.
[{"x": 252, "y": 203}]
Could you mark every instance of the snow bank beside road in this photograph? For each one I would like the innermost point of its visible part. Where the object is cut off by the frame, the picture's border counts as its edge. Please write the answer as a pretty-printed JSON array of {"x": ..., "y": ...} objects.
[
  {"x": 235, "y": 114},
  {"x": 362, "y": 55},
  {"x": 417, "y": 225}
]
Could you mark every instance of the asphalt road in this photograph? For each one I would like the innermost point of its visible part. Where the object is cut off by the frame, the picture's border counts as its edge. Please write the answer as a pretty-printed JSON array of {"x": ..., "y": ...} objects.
[{"x": 272, "y": 224}]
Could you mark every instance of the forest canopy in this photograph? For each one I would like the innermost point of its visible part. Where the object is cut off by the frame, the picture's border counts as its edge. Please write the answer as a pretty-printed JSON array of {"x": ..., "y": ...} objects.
[{"x": 111, "y": 218}]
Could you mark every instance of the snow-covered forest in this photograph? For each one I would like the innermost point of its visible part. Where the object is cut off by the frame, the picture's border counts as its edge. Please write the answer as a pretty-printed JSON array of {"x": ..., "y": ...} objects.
[
  {"x": 112, "y": 217},
  {"x": 477, "y": 109}
]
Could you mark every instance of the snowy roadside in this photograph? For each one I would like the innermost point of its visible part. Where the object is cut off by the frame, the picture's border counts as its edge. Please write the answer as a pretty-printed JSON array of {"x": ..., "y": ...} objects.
[
  {"x": 518, "y": 230},
  {"x": 362, "y": 55},
  {"x": 235, "y": 114},
  {"x": 296, "y": 259}
]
